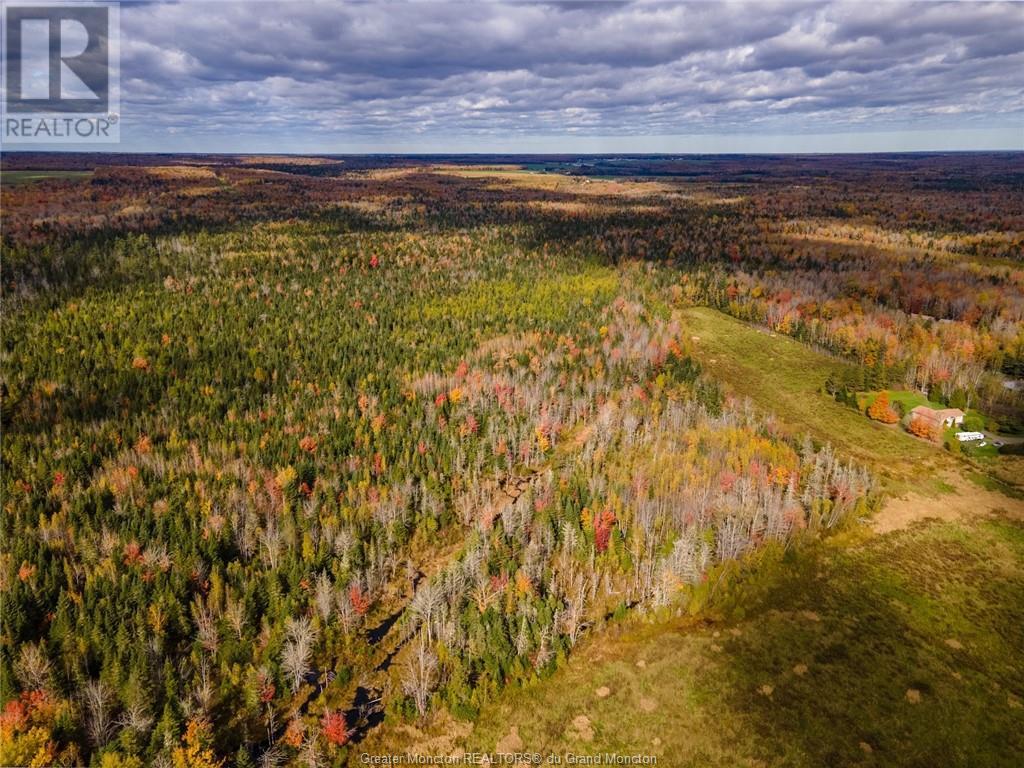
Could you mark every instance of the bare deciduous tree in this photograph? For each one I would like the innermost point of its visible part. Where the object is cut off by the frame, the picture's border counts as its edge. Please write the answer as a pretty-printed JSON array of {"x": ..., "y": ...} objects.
[
  {"x": 273, "y": 757},
  {"x": 32, "y": 667},
  {"x": 575, "y": 606},
  {"x": 298, "y": 650},
  {"x": 136, "y": 718},
  {"x": 484, "y": 595},
  {"x": 347, "y": 613},
  {"x": 206, "y": 625},
  {"x": 544, "y": 652},
  {"x": 523, "y": 638},
  {"x": 271, "y": 541},
  {"x": 97, "y": 702},
  {"x": 310, "y": 753},
  {"x": 323, "y": 595},
  {"x": 420, "y": 675},
  {"x": 234, "y": 614},
  {"x": 203, "y": 689},
  {"x": 424, "y": 605}
]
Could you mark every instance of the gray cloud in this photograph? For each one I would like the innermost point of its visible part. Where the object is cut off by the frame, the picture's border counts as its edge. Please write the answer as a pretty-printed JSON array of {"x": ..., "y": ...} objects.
[{"x": 387, "y": 72}]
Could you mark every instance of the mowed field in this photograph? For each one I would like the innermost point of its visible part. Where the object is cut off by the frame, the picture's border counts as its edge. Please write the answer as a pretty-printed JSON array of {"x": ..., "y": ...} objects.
[{"x": 785, "y": 377}]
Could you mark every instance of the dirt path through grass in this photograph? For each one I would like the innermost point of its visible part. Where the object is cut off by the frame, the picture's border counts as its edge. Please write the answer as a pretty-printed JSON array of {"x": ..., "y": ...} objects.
[{"x": 966, "y": 500}]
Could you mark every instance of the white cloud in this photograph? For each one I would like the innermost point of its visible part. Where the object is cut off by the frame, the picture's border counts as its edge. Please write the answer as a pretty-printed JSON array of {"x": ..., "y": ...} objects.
[{"x": 381, "y": 71}]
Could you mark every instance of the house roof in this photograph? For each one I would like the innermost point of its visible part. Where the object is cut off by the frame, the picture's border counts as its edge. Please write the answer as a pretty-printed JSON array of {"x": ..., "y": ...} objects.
[{"x": 940, "y": 414}]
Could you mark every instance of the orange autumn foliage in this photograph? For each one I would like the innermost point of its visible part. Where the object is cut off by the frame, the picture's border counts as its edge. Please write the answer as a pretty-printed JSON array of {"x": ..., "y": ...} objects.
[
  {"x": 293, "y": 734},
  {"x": 923, "y": 428},
  {"x": 880, "y": 410}
]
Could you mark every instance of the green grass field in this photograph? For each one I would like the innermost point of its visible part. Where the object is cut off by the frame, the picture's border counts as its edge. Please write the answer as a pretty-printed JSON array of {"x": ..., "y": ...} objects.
[
  {"x": 910, "y": 400},
  {"x": 898, "y": 650},
  {"x": 978, "y": 451},
  {"x": 784, "y": 377},
  {"x": 973, "y": 421},
  {"x": 27, "y": 177}
]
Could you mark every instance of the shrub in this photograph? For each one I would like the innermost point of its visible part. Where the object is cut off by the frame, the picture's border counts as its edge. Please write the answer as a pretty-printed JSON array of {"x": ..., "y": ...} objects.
[
  {"x": 880, "y": 410},
  {"x": 923, "y": 428},
  {"x": 973, "y": 422}
]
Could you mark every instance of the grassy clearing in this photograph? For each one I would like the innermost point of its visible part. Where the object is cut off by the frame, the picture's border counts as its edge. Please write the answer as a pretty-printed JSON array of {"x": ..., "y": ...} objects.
[
  {"x": 784, "y": 377},
  {"x": 1008, "y": 474},
  {"x": 27, "y": 177},
  {"x": 978, "y": 451},
  {"x": 558, "y": 182},
  {"x": 901, "y": 650},
  {"x": 910, "y": 400},
  {"x": 995, "y": 483}
]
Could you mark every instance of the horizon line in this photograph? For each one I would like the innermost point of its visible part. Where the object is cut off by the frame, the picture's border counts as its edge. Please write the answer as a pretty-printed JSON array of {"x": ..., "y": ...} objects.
[{"x": 498, "y": 153}]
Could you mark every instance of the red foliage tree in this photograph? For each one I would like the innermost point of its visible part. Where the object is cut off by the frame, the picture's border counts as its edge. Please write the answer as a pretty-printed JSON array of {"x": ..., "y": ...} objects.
[
  {"x": 335, "y": 728},
  {"x": 360, "y": 600},
  {"x": 603, "y": 529},
  {"x": 267, "y": 690}
]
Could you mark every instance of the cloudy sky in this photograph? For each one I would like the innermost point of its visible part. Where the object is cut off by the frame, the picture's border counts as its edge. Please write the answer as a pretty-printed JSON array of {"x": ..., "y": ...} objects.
[{"x": 573, "y": 77}]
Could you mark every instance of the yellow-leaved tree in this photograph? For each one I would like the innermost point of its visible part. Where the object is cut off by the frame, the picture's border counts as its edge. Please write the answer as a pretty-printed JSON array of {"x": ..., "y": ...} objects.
[{"x": 196, "y": 752}]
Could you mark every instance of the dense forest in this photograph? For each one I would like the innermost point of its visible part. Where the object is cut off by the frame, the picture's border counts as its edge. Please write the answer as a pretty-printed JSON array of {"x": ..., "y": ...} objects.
[{"x": 295, "y": 446}]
